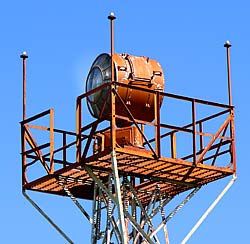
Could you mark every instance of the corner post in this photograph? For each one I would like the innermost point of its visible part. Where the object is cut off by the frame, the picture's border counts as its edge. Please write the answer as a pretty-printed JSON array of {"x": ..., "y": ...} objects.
[
  {"x": 51, "y": 170},
  {"x": 78, "y": 129},
  {"x": 227, "y": 45},
  {"x": 112, "y": 17},
  {"x": 194, "y": 131},
  {"x": 24, "y": 56}
]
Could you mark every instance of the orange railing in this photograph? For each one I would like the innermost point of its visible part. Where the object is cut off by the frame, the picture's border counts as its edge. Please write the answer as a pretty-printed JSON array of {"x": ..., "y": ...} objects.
[{"x": 160, "y": 138}]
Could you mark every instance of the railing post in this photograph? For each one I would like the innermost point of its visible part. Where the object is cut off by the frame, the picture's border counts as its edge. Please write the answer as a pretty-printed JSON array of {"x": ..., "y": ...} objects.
[
  {"x": 157, "y": 124},
  {"x": 51, "y": 141},
  {"x": 233, "y": 151},
  {"x": 201, "y": 137},
  {"x": 64, "y": 149},
  {"x": 112, "y": 17},
  {"x": 194, "y": 130},
  {"x": 23, "y": 138},
  {"x": 227, "y": 45},
  {"x": 173, "y": 145},
  {"x": 24, "y": 56},
  {"x": 78, "y": 129}
]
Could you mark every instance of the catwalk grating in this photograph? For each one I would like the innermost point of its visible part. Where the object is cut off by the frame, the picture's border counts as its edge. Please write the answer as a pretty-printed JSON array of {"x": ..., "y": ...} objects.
[{"x": 173, "y": 175}]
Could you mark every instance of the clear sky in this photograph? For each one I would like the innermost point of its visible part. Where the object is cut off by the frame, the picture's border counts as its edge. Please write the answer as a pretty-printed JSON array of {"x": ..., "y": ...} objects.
[{"x": 63, "y": 37}]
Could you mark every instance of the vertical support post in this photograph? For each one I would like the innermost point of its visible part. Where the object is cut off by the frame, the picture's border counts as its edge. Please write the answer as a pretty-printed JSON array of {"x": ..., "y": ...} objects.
[
  {"x": 126, "y": 203},
  {"x": 64, "y": 149},
  {"x": 173, "y": 145},
  {"x": 93, "y": 232},
  {"x": 142, "y": 128},
  {"x": 163, "y": 215},
  {"x": 109, "y": 211},
  {"x": 227, "y": 45},
  {"x": 24, "y": 56},
  {"x": 194, "y": 130},
  {"x": 23, "y": 143},
  {"x": 134, "y": 214},
  {"x": 51, "y": 141},
  {"x": 112, "y": 17},
  {"x": 78, "y": 129},
  {"x": 233, "y": 151},
  {"x": 119, "y": 198},
  {"x": 201, "y": 137},
  {"x": 99, "y": 215},
  {"x": 157, "y": 125},
  {"x": 113, "y": 120}
]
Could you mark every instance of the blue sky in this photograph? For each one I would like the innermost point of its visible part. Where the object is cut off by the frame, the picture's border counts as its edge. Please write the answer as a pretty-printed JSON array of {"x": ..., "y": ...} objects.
[{"x": 62, "y": 38}]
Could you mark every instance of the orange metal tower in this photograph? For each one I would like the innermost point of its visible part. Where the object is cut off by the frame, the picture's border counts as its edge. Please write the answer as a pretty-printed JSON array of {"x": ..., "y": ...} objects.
[{"x": 143, "y": 153}]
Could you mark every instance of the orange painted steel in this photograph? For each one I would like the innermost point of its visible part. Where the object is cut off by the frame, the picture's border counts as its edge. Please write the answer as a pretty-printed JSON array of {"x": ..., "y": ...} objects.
[
  {"x": 138, "y": 164},
  {"x": 126, "y": 136},
  {"x": 169, "y": 173},
  {"x": 138, "y": 71},
  {"x": 150, "y": 163}
]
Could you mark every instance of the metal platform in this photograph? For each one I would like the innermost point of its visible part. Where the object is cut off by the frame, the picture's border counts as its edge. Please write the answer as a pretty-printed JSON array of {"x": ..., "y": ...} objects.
[
  {"x": 133, "y": 172},
  {"x": 127, "y": 177},
  {"x": 173, "y": 175}
]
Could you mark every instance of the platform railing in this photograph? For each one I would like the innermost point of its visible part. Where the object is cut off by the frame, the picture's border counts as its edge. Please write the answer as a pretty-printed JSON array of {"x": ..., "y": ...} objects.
[
  {"x": 34, "y": 152},
  {"x": 198, "y": 154},
  {"x": 86, "y": 134}
]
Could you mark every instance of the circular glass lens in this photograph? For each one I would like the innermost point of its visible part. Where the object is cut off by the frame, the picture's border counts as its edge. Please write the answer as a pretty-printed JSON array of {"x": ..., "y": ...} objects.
[
  {"x": 94, "y": 80},
  {"x": 99, "y": 74}
]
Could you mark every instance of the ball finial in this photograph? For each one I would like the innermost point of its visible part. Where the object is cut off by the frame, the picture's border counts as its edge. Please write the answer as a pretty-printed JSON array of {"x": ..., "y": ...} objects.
[
  {"x": 24, "y": 55},
  {"x": 111, "y": 16},
  {"x": 227, "y": 44}
]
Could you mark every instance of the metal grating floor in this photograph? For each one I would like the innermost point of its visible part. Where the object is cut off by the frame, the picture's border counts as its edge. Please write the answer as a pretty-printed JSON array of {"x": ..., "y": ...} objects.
[{"x": 173, "y": 175}]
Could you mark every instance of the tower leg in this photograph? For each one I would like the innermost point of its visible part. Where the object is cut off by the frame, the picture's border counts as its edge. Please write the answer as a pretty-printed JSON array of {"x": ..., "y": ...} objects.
[
  {"x": 212, "y": 206},
  {"x": 119, "y": 198}
]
